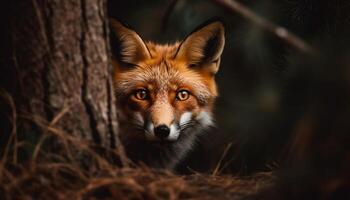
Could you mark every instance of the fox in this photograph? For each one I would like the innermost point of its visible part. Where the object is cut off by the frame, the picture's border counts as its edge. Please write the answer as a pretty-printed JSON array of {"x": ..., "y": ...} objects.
[{"x": 165, "y": 93}]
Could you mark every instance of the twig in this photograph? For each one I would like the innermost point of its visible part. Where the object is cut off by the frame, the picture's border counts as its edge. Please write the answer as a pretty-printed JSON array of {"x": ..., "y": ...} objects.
[
  {"x": 218, "y": 166},
  {"x": 280, "y": 32},
  {"x": 12, "y": 140}
]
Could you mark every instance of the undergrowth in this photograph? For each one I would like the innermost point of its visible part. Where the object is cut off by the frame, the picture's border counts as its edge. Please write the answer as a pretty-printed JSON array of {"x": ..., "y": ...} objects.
[{"x": 58, "y": 165}]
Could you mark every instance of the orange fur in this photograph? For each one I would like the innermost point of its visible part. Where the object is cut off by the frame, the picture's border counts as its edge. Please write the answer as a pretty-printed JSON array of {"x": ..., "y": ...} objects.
[{"x": 162, "y": 72}]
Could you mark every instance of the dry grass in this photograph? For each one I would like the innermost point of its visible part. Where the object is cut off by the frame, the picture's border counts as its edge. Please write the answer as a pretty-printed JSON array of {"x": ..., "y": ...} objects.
[
  {"x": 91, "y": 176},
  {"x": 60, "y": 166},
  {"x": 62, "y": 181}
]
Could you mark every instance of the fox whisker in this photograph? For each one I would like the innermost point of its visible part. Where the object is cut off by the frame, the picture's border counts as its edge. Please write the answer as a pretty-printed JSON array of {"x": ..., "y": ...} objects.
[
  {"x": 188, "y": 125},
  {"x": 136, "y": 126}
]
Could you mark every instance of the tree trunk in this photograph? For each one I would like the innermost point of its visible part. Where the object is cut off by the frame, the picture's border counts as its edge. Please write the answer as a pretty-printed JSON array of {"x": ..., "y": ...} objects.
[{"x": 59, "y": 53}]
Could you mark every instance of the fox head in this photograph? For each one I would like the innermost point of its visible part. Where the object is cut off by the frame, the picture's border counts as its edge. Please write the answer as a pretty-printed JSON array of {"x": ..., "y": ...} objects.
[{"x": 165, "y": 92}]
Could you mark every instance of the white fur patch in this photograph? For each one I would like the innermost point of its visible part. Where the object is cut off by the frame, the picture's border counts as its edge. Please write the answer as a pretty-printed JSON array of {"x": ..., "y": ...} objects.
[
  {"x": 205, "y": 119},
  {"x": 149, "y": 131},
  {"x": 138, "y": 118},
  {"x": 185, "y": 118},
  {"x": 174, "y": 133}
]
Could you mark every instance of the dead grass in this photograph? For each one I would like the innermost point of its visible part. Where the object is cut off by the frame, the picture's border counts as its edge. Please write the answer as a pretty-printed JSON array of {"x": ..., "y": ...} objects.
[
  {"x": 60, "y": 181},
  {"x": 91, "y": 176},
  {"x": 60, "y": 166}
]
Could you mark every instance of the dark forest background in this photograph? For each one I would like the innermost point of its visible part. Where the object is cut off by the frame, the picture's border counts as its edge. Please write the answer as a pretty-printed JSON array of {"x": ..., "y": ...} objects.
[
  {"x": 280, "y": 109},
  {"x": 266, "y": 87}
]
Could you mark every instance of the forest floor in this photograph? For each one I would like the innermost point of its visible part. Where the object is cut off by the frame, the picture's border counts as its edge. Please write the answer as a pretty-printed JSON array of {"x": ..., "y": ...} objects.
[
  {"x": 74, "y": 170},
  {"x": 61, "y": 166},
  {"x": 60, "y": 181}
]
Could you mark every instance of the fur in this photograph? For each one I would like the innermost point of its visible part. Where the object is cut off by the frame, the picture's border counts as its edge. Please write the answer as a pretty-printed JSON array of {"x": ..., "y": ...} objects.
[{"x": 178, "y": 91}]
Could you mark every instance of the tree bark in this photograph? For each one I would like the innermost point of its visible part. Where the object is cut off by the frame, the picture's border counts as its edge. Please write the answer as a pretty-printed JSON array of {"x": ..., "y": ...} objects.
[{"x": 59, "y": 50}]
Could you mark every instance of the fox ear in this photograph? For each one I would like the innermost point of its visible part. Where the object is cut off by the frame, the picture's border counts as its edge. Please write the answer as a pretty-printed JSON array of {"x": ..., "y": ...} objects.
[
  {"x": 127, "y": 46},
  {"x": 203, "y": 47}
]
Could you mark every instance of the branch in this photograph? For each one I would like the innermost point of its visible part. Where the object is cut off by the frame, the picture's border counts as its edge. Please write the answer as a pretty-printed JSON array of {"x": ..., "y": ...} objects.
[{"x": 282, "y": 33}]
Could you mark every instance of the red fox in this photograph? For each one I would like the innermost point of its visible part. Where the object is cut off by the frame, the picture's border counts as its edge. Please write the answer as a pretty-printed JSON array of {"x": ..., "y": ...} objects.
[{"x": 165, "y": 93}]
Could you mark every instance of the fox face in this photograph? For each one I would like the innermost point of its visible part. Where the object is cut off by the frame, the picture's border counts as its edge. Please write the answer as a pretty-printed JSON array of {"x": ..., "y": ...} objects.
[{"x": 165, "y": 93}]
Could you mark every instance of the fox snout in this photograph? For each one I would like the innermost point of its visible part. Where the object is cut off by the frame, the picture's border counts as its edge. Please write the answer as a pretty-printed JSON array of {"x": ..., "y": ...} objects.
[
  {"x": 167, "y": 128},
  {"x": 162, "y": 123},
  {"x": 161, "y": 131}
]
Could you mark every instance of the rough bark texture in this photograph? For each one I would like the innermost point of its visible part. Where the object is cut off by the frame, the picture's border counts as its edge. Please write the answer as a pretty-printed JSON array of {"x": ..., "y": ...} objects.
[{"x": 60, "y": 52}]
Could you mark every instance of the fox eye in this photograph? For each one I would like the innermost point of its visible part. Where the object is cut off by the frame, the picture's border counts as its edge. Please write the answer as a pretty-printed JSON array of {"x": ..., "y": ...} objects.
[
  {"x": 141, "y": 94},
  {"x": 182, "y": 95}
]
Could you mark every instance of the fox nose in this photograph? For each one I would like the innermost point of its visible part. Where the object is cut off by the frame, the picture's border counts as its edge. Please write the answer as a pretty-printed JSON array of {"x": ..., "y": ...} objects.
[{"x": 162, "y": 131}]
